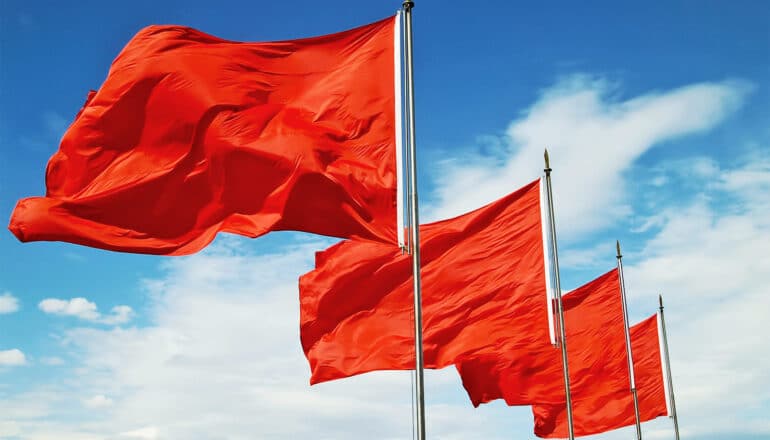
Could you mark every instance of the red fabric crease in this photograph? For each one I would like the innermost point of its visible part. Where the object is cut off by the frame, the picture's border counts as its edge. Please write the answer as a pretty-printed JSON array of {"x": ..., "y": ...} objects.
[
  {"x": 482, "y": 273},
  {"x": 601, "y": 410},
  {"x": 191, "y": 135},
  {"x": 523, "y": 374}
]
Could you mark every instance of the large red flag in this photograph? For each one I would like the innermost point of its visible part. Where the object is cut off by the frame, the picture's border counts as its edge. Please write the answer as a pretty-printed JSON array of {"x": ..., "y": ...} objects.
[
  {"x": 191, "y": 135},
  {"x": 483, "y": 273},
  {"x": 524, "y": 374},
  {"x": 603, "y": 411}
]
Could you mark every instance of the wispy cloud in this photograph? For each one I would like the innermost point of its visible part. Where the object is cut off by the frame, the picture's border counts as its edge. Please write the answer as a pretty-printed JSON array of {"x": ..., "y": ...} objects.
[
  {"x": 146, "y": 433},
  {"x": 9, "y": 428},
  {"x": 86, "y": 310},
  {"x": 98, "y": 401},
  {"x": 55, "y": 123},
  {"x": 594, "y": 136},
  {"x": 52, "y": 128},
  {"x": 74, "y": 256},
  {"x": 52, "y": 360},
  {"x": 708, "y": 259},
  {"x": 8, "y": 303}
]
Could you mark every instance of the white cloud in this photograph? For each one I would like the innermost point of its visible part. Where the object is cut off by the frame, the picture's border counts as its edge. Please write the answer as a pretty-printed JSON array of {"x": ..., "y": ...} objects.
[
  {"x": 222, "y": 355},
  {"x": 8, "y": 303},
  {"x": 85, "y": 310},
  {"x": 12, "y": 357},
  {"x": 146, "y": 433},
  {"x": 52, "y": 360},
  {"x": 29, "y": 404},
  {"x": 98, "y": 401},
  {"x": 9, "y": 428},
  {"x": 79, "y": 307},
  {"x": 118, "y": 315},
  {"x": 593, "y": 138},
  {"x": 709, "y": 259}
]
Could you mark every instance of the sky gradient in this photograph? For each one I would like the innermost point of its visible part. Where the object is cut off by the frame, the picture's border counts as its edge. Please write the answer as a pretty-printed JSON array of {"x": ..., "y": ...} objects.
[{"x": 656, "y": 116}]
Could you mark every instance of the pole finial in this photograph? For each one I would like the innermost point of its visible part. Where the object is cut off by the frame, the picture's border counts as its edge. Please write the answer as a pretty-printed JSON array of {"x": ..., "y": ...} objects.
[
  {"x": 547, "y": 160},
  {"x": 617, "y": 246},
  {"x": 407, "y": 4},
  {"x": 660, "y": 300}
]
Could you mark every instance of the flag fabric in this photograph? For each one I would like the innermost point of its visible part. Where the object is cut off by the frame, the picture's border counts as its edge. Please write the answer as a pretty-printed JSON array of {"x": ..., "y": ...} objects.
[
  {"x": 526, "y": 374},
  {"x": 604, "y": 411},
  {"x": 483, "y": 274},
  {"x": 191, "y": 134}
]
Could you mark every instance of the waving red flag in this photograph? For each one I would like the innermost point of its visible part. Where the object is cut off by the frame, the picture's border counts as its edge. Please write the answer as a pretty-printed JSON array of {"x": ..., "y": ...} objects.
[
  {"x": 523, "y": 374},
  {"x": 191, "y": 135},
  {"x": 482, "y": 273},
  {"x": 603, "y": 411}
]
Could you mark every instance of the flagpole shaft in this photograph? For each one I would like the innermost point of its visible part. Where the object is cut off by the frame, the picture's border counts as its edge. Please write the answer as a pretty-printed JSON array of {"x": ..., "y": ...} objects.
[
  {"x": 668, "y": 370},
  {"x": 631, "y": 374},
  {"x": 557, "y": 288},
  {"x": 407, "y": 114},
  {"x": 415, "y": 222}
]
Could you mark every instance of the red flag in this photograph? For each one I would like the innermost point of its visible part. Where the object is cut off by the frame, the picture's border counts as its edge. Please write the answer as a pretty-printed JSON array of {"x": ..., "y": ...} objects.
[
  {"x": 603, "y": 411},
  {"x": 524, "y": 374},
  {"x": 482, "y": 273},
  {"x": 191, "y": 135}
]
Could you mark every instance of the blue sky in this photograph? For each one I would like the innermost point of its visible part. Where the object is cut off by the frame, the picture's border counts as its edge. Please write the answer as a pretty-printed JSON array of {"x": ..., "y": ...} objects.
[{"x": 656, "y": 115}]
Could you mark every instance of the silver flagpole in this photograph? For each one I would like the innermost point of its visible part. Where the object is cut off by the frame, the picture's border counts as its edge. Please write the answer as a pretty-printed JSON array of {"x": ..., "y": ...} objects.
[
  {"x": 415, "y": 230},
  {"x": 628, "y": 341},
  {"x": 408, "y": 155},
  {"x": 557, "y": 288},
  {"x": 668, "y": 370}
]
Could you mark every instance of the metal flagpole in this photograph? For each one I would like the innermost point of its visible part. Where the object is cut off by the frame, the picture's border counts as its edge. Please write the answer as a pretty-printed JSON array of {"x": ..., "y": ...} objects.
[
  {"x": 557, "y": 288},
  {"x": 628, "y": 341},
  {"x": 408, "y": 156},
  {"x": 408, "y": 162},
  {"x": 415, "y": 222},
  {"x": 668, "y": 370}
]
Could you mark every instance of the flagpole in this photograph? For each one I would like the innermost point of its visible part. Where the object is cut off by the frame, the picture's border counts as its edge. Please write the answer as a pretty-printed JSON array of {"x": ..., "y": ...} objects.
[
  {"x": 407, "y": 156},
  {"x": 419, "y": 393},
  {"x": 668, "y": 370},
  {"x": 628, "y": 341},
  {"x": 557, "y": 288}
]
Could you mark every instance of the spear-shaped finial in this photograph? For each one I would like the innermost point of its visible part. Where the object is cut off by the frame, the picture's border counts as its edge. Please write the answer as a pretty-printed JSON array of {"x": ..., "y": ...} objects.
[
  {"x": 660, "y": 300},
  {"x": 617, "y": 246},
  {"x": 547, "y": 161}
]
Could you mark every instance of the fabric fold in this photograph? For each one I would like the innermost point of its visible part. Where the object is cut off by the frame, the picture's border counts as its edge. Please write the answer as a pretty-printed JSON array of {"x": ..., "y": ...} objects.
[
  {"x": 482, "y": 274},
  {"x": 191, "y": 135}
]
